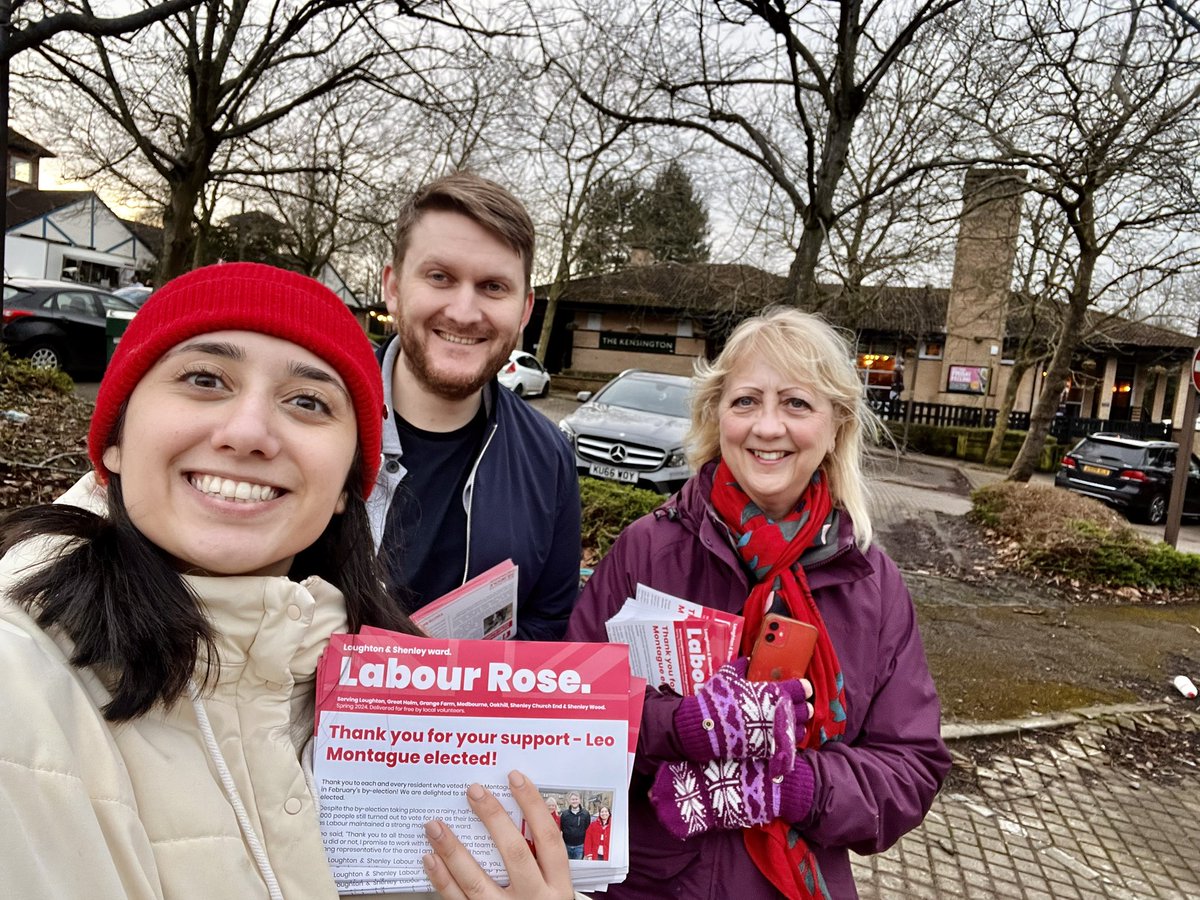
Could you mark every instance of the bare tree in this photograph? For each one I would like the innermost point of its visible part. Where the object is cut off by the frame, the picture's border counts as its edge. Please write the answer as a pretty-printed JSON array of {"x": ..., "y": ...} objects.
[
  {"x": 27, "y": 26},
  {"x": 206, "y": 80},
  {"x": 343, "y": 165},
  {"x": 320, "y": 174},
  {"x": 1098, "y": 100},
  {"x": 782, "y": 85},
  {"x": 1036, "y": 306},
  {"x": 581, "y": 151},
  {"x": 894, "y": 225}
]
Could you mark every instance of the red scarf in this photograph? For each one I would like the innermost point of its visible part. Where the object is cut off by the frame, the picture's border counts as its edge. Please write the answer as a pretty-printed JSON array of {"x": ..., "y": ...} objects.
[{"x": 771, "y": 550}]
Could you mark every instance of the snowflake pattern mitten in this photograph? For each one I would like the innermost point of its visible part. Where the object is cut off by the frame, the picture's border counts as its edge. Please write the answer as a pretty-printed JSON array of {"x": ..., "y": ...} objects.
[
  {"x": 731, "y": 718},
  {"x": 692, "y": 798}
]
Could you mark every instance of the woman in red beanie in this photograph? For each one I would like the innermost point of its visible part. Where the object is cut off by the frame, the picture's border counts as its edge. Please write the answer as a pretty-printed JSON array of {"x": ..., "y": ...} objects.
[{"x": 161, "y": 624}]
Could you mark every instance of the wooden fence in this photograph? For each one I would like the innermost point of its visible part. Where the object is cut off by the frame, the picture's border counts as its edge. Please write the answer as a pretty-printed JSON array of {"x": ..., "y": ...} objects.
[{"x": 1064, "y": 428}]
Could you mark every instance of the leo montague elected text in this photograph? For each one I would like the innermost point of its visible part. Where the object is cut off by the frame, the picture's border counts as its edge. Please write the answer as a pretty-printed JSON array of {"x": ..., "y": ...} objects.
[{"x": 500, "y": 678}]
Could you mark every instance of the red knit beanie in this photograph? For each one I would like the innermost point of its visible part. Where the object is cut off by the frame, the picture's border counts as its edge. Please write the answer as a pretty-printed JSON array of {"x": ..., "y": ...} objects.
[{"x": 245, "y": 297}]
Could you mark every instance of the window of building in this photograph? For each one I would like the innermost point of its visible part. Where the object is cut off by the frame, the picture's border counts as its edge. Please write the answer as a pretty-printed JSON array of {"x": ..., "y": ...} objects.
[
  {"x": 595, "y": 321},
  {"x": 85, "y": 271},
  {"x": 1121, "y": 407},
  {"x": 21, "y": 170},
  {"x": 683, "y": 328},
  {"x": 932, "y": 348},
  {"x": 876, "y": 361},
  {"x": 1008, "y": 353}
]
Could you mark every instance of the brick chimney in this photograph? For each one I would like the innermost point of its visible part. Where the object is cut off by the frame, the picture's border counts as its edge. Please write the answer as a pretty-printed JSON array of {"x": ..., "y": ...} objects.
[{"x": 980, "y": 287}]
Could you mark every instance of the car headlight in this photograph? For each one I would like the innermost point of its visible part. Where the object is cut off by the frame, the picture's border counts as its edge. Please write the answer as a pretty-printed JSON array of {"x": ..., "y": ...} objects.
[
  {"x": 567, "y": 431},
  {"x": 676, "y": 458}
]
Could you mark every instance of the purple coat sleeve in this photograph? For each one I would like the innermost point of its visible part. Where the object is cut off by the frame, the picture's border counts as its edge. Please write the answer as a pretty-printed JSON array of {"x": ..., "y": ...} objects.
[
  {"x": 615, "y": 579},
  {"x": 879, "y": 785}
]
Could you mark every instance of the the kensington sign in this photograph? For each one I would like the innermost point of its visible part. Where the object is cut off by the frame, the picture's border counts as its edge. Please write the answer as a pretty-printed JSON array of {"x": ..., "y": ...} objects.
[{"x": 637, "y": 343}]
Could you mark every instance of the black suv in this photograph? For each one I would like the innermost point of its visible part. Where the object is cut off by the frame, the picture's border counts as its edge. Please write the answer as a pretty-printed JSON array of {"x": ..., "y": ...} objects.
[{"x": 1134, "y": 476}]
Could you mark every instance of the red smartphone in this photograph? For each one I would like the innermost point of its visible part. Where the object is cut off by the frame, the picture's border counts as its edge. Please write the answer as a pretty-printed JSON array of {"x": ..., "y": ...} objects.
[{"x": 782, "y": 649}]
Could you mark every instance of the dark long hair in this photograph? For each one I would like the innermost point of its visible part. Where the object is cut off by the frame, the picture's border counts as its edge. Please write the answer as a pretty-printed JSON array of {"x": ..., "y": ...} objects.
[{"x": 131, "y": 616}]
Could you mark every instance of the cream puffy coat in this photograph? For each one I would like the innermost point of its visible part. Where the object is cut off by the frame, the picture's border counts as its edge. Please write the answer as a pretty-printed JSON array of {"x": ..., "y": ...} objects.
[{"x": 137, "y": 810}]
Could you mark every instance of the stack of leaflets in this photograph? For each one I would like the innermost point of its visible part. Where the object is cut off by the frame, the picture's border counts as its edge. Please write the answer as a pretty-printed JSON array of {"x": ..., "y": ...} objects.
[
  {"x": 484, "y": 608},
  {"x": 404, "y": 724},
  {"x": 672, "y": 641}
]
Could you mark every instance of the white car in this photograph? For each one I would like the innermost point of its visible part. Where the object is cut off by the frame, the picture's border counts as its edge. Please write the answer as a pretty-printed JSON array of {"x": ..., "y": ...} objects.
[{"x": 524, "y": 375}]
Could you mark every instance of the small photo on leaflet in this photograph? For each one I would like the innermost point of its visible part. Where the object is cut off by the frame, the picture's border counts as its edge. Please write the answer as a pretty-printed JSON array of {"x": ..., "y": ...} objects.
[
  {"x": 573, "y": 801},
  {"x": 495, "y": 622}
]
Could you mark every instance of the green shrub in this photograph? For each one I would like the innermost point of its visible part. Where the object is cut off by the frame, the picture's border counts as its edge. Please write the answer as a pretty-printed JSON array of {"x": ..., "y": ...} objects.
[
  {"x": 931, "y": 439},
  {"x": 961, "y": 442},
  {"x": 1063, "y": 534},
  {"x": 18, "y": 376},
  {"x": 607, "y": 507}
]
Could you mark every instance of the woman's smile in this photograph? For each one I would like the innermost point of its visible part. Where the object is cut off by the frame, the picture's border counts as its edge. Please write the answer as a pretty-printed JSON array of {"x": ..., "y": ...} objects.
[{"x": 229, "y": 489}]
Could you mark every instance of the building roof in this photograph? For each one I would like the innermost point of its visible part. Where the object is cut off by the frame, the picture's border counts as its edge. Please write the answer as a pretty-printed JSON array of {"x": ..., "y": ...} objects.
[
  {"x": 150, "y": 235},
  {"x": 22, "y": 144},
  {"x": 892, "y": 309},
  {"x": 695, "y": 288},
  {"x": 29, "y": 204},
  {"x": 724, "y": 290},
  {"x": 1109, "y": 330}
]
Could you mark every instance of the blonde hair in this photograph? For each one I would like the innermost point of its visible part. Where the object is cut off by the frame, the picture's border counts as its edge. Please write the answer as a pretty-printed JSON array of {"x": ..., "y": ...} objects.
[{"x": 803, "y": 346}]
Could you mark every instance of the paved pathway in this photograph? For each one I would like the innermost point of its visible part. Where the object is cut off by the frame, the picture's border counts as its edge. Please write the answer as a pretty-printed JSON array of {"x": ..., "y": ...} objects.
[{"x": 1060, "y": 817}]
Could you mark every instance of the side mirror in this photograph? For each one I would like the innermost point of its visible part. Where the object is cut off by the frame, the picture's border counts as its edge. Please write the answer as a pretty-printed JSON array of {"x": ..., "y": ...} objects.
[{"x": 583, "y": 396}]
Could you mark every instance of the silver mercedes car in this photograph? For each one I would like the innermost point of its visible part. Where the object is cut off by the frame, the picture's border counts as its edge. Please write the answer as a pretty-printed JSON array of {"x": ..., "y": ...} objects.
[{"x": 632, "y": 430}]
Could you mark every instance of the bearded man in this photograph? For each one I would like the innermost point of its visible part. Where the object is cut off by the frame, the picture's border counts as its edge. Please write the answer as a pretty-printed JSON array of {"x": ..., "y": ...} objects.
[{"x": 471, "y": 474}]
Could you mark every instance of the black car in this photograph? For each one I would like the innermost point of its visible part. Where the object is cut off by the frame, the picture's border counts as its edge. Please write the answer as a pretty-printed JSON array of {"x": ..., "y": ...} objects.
[
  {"x": 59, "y": 324},
  {"x": 1132, "y": 475}
]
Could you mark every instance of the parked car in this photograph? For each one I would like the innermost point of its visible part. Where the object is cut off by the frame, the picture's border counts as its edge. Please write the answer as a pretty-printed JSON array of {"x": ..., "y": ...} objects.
[
  {"x": 632, "y": 430},
  {"x": 137, "y": 294},
  {"x": 524, "y": 375},
  {"x": 59, "y": 324},
  {"x": 1132, "y": 475}
]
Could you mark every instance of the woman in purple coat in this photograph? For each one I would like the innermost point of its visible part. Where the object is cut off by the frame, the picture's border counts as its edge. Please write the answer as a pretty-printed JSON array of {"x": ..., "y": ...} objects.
[{"x": 747, "y": 784}]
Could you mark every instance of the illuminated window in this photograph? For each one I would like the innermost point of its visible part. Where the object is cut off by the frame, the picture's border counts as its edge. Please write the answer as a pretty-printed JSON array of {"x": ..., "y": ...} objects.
[
  {"x": 22, "y": 170},
  {"x": 932, "y": 348},
  {"x": 875, "y": 369}
]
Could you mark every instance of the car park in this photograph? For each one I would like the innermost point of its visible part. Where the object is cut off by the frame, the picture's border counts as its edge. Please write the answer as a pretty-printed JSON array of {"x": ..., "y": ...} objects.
[
  {"x": 524, "y": 375},
  {"x": 1131, "y": 475},
  {"x": 59, "y": 324},
  {"x": 632, "y": 430}
]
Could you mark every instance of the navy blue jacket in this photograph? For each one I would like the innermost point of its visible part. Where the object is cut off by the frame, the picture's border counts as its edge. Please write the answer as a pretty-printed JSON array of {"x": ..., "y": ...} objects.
[{"x": 521, "y": 499}]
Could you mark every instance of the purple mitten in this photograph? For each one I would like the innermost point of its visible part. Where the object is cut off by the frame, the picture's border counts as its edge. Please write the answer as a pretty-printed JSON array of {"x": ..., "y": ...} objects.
[
  {"x": 732, "y": 718},
  {"x": 692, "y": 798}
]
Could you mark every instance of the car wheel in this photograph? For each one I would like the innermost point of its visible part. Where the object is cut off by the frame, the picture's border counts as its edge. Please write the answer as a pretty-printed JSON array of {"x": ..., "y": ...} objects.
[
  {"x": 519, "y": 390},
  {"x": 1156, "y": 510},
  {"x": 45, "y": 356}
]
